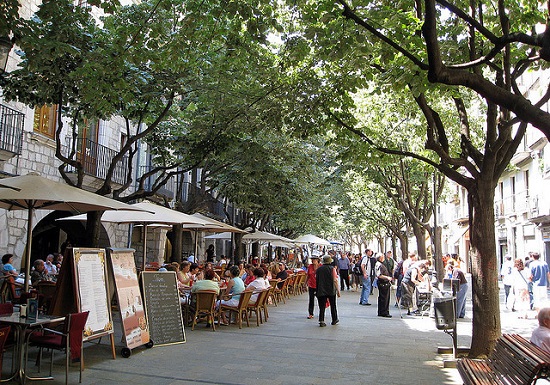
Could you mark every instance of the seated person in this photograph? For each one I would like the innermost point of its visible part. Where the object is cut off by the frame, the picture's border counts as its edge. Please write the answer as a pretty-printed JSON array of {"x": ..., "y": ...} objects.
[
  {"x": 184, "y": 275},
  {"x": 8, "y": 269},
  {"x": 50, "y": 266},
  {"x": 39, "y": 272},
  {"x": 235, "y": 287},
  {"x": 223, "y": 261},
  {"x": 259, "y": 284},
  {"x": 208, "y": 283},
  {"x": 248, "y": 276},
  {"x": 57, "y": 260},
  {"x": 281, "y": 275},
  {"x": 541, "y": 334}
]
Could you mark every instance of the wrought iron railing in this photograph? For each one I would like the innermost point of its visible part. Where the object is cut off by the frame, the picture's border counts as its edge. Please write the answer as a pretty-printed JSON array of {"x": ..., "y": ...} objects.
[
  {"x": 11, "y": 130},
  {"x": 96, "y": 160}
]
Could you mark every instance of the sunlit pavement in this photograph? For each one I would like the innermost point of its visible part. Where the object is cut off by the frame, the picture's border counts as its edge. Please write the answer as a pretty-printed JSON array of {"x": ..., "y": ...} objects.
[{"x": 290, "y": 349}]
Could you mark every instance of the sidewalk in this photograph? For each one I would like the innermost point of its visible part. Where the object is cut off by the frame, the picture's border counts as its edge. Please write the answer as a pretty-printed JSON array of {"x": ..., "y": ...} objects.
[{"x": 290, "y": 349}]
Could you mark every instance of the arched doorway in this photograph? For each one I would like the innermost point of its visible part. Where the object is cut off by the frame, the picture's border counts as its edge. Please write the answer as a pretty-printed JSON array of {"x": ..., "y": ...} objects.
[{"x": 49, "y": 234}]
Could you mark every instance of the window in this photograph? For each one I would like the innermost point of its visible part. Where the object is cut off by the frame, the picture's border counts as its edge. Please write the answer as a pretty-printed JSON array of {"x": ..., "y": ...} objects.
[{"x": 45, "y": 120}]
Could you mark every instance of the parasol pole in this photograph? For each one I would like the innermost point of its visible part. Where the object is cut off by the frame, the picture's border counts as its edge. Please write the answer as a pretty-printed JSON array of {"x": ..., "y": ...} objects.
[
  {"x": 29, "y": 247},
  {"x": 144, "y": 246}
]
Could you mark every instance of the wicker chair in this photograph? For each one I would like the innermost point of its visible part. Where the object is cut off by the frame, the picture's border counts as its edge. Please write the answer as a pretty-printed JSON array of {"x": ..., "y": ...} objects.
[
  {"x": 205, "y": 306},
  {"x": 258, "y": 306},
  {"x": 240, "y": 310}
]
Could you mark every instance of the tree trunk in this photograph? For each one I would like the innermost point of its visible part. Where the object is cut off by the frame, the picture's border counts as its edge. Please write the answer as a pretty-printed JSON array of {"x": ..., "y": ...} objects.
[
  {"x": 93, "y": 228},
  {"x": 485, "y": 290},
  {"x": 420, "y": 235},
  {"x": 177, "y": 244},
  {"x": 404, "y": 242}
]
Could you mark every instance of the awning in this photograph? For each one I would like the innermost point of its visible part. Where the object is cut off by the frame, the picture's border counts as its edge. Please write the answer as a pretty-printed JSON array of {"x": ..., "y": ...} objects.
[{"x": 456, "y": 238}]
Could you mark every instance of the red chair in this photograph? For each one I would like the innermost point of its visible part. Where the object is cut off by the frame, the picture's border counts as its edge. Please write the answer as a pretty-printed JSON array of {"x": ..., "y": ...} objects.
[
  {"x": 69, "y": 340},
  {"x": 4, "y": 333}
]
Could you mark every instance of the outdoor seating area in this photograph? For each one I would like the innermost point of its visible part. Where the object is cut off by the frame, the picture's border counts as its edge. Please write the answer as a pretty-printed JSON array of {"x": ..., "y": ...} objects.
[{"x": 205, "y": 307}]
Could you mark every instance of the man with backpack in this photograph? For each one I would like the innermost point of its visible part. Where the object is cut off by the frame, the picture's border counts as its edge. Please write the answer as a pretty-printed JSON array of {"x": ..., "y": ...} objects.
[{"x": 366, "y": 270}]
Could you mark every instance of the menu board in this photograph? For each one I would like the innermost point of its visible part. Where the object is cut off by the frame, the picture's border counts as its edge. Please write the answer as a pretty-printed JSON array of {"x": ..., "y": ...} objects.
[
  {"x": 91, "y": 274},
  {"x": 134, "y": 323},
  {"x": 163, "y": 308}
]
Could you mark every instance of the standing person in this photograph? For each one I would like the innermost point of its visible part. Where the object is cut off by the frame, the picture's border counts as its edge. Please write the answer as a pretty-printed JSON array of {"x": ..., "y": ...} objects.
[
  {"x": 539, "y": 277},
  {"x": 357, "y": 274},
  {"x": 389, "y": 262},
  {"x": 462, "y": 289},
  {"x": 365, "y": 270},
  {"x": 343, "y": 270},
  {"x": 520, "y": 287},
  {"x": 312, "y": 284},
  {"x": 384, "y": 279},
  {"x": 411, "y": 278},
  {"x": 398, "y": 275},
  {"x": 327, "y": 290},
  {"x": 506, "y": 276},
  {"x": 210, "y": 253}
]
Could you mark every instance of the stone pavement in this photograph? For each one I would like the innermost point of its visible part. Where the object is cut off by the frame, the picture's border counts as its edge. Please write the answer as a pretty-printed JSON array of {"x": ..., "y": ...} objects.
[{"x": 290, "y": 349}]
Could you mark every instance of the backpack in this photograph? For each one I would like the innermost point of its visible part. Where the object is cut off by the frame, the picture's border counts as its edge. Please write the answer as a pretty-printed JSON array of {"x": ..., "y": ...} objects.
[
  {"x": 398, "y": 272},
  {"x": 357, "y": 268}
]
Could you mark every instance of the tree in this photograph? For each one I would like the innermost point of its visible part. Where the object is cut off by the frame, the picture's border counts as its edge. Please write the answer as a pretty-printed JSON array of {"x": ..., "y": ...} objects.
[
  {"x": 145, "y": 63},
  {"x": 383, "y": 42}
]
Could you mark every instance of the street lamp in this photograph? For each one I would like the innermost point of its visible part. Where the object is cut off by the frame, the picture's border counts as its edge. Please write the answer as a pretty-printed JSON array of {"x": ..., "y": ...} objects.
[{"x": 5, "y": 48}]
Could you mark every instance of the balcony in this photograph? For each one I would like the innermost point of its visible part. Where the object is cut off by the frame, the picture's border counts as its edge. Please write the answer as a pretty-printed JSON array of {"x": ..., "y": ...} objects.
[
  {"x": 11, "y": 132},
  {"x": 516, "y": 205},
  {"x": 96, "y": 160}
]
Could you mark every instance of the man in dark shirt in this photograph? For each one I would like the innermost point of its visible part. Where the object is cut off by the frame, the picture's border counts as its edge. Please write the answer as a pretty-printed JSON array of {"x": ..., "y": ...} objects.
[
  {"x": 327, "y": 290},
  {"x": 281, "y": 275}
]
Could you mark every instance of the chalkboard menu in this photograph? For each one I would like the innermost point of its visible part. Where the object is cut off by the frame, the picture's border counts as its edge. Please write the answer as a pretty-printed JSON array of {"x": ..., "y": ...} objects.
[
  {"x": 91, "y": 274},
  {"x": 132, "y": 311},
  {"x": 163, "y": 308}
]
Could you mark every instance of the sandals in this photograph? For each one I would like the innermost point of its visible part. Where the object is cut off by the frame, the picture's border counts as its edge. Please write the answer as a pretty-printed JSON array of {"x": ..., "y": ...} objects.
[{"x": 309, "y": 316}]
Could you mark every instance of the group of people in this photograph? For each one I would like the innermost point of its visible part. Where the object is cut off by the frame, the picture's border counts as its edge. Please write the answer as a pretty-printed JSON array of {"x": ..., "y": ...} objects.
[
  {"x": 43, "y": 269},
  {"x": 525, "y": 284}
]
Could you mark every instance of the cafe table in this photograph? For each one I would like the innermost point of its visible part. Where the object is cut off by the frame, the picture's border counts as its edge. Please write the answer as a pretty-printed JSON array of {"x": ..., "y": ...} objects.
[{"x": 21, "y": 325}]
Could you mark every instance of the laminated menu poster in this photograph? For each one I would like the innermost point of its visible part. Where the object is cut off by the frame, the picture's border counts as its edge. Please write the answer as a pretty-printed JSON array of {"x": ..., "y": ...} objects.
[
  {"x": 91, "y": 274},
  {"x": 132, "y": 311},
  {"x": 163, "y": 308}
]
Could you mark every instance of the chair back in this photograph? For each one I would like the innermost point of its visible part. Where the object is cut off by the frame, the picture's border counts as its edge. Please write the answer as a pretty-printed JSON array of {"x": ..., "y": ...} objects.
[
  {"x": 244, "y": 300},
  {"x": 4, "y": 332},
  {"x": 262, "y": 297},
  {"x": 74, "y": 327},
  {"x": 6, "y": 308},
  {"x": 205, "y": 300},
  {"x": 7, "y": 291}
]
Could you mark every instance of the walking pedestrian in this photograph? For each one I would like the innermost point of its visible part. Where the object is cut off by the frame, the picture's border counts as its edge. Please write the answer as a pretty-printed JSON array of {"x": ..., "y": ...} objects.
[
  {"x": 327, "y": 290},
  {"x": 458, "y": 274},
  {"x": 366, "y": 269},
  {"x": 312, "y": 283},
  {"x": 539, "y": 276},
  {"x": 507, "y": 279},
  {"x": 343, "y": 270},
  {"x": 384, "y": 279}
]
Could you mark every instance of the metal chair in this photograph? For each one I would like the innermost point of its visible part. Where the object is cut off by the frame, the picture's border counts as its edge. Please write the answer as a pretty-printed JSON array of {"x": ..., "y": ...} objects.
[
  {"x": 205, "y": 306},
  {"x": 4, "y": 333},
  {"x": 68, "y": 340}
]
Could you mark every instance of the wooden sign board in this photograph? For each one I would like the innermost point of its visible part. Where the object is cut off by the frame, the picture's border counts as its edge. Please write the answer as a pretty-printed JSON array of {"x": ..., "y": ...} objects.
[
  {"x": 163, "y": 308},
  {"x": 134, "y": 323},
  {"x": 93, "y": 287}
]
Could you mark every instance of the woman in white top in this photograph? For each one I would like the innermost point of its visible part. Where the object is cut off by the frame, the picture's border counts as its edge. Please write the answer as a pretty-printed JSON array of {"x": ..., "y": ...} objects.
[
  {"x": 259, "y": 284},
  {"x": 520, "y": 287}
]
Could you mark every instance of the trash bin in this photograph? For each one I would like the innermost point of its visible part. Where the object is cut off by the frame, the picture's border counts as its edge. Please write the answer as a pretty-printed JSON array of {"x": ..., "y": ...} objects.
[{"x": 445, "y": 316}]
